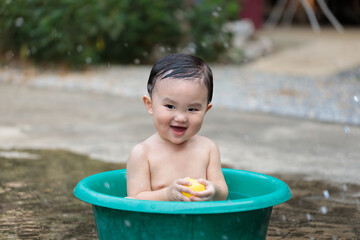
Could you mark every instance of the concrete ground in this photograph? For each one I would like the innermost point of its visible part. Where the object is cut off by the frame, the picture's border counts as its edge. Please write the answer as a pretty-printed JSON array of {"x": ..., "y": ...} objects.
[
  {"x": 301, "y": 51},
  {"x": 105, "y": 121}
]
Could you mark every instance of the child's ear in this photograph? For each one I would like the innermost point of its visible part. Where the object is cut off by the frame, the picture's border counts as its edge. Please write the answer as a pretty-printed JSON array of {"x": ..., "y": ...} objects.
[
  {"x": 209, "y": 106},
  {"x": 148, "y": 104}
]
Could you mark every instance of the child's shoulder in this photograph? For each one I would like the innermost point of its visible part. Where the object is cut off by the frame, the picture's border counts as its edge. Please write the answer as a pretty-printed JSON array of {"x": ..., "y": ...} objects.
[
  {"x": 143, "y": 147},
  {"x": 205, "y": 141}
]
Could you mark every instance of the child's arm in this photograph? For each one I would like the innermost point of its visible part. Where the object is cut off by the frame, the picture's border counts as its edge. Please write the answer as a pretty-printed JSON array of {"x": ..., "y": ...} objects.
[
  {"x": 139, "y": 180},
  {"x": 216, "y": 188}
]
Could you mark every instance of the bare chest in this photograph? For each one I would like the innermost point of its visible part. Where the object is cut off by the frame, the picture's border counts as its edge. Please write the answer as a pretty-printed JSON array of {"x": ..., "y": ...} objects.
[{"x": 165, "y": 167}]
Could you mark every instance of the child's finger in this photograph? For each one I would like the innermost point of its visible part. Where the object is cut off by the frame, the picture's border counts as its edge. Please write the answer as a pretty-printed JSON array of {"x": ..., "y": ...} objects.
[
  {"x": 181, "y": 197},
  {"x": 183, "y": 182},
  {"x": 203, "y": 182},
  {"x": 182, "y": 188},
  {"x": 198, "y": 199},
  {"x": 202, "y": 194}
]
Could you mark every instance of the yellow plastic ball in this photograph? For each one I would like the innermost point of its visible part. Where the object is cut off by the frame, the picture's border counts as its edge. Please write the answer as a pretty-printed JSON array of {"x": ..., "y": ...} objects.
[{"x": 195, "y": 186}]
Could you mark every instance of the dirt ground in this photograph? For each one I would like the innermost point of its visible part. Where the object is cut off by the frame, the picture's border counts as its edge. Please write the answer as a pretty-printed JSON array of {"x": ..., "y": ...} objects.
[{"x": 36, "y": 201}]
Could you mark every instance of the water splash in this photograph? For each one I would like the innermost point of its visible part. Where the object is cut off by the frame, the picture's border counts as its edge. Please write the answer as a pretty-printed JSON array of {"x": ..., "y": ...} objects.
[
  {"x": 326, "y": 194},
  {"x": 356, "y": 99},
  {"x": 127, "y": 223},
  {"x": 308, "y": 217},
  {"x": 347, "y": 129},
  {"x": 323, "y": 210},
  {"x": 224, "y": 237}
]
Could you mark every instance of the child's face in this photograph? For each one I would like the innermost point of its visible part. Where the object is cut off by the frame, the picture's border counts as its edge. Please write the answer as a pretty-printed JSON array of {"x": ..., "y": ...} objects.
[{"x": 178, "y": 108}]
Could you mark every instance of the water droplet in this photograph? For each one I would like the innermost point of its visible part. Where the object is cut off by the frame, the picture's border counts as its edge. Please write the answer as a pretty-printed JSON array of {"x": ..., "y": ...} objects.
[
  {"x": 107, "y": 185},
  {"x": 347, "y": 129},
  {"x": 323, "y": 210},
  {"x": 326, "y": 194},
  {"x": 19, "y": 22},
  {"x": 162, "y": 49},
  {"x": 88, "y": 60},
  {"x": 283, "y": 217},
  {"x": 308, "y": 217},
  {"x": 79, "y": 48},
  {"x": 190, "y": 48},
  {"x": 127, "y": 223},
  {"x": 215, "y": 14},
  {"x": 356, "y": 98},
  {"x": 137, "y": 61}
]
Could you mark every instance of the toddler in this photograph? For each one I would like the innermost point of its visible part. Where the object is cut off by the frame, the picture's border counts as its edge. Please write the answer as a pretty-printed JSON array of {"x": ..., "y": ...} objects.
[{"x": 180, "y": 90}]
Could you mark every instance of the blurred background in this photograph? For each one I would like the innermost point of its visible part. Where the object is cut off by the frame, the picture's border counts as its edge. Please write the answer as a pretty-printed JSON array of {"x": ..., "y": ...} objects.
[
  {"x": 80, "y": 33},
  {"x": 286, "y": 102}
]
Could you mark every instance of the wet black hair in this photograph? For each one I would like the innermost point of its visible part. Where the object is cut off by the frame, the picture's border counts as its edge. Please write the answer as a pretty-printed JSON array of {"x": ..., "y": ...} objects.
[{"x": 181, "y": 66}]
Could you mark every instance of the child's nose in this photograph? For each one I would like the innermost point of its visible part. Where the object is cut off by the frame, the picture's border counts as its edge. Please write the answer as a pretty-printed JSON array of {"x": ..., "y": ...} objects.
[{"x": 181, "y": 117}]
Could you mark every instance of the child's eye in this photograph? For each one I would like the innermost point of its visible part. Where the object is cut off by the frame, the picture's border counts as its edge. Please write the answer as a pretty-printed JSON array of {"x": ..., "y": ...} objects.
[
  {"x": 193, "y": 109},
  {"x": 169, "y": 106}
]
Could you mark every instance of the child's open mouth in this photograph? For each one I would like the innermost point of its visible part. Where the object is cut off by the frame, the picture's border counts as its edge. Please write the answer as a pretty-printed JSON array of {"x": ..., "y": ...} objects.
[{"x": 178, "y": 130}]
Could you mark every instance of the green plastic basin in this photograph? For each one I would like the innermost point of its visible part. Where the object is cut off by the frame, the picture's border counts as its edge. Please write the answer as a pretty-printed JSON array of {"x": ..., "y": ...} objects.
[{"x": 244, "y": 215}]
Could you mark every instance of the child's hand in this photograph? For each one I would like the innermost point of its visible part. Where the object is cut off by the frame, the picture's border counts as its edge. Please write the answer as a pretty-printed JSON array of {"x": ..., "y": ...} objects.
[
  {"x": 207, "y": 195},
  {"x": 175, "y": 189}
]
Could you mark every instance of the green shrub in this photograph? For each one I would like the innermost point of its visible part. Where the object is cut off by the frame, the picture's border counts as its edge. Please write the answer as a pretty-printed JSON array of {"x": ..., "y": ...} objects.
[{"x": 78, "y": 32}]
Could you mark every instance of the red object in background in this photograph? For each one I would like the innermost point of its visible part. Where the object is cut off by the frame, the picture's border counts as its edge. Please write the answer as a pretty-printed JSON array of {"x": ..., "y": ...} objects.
[{"x": 253, "y": 10}]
